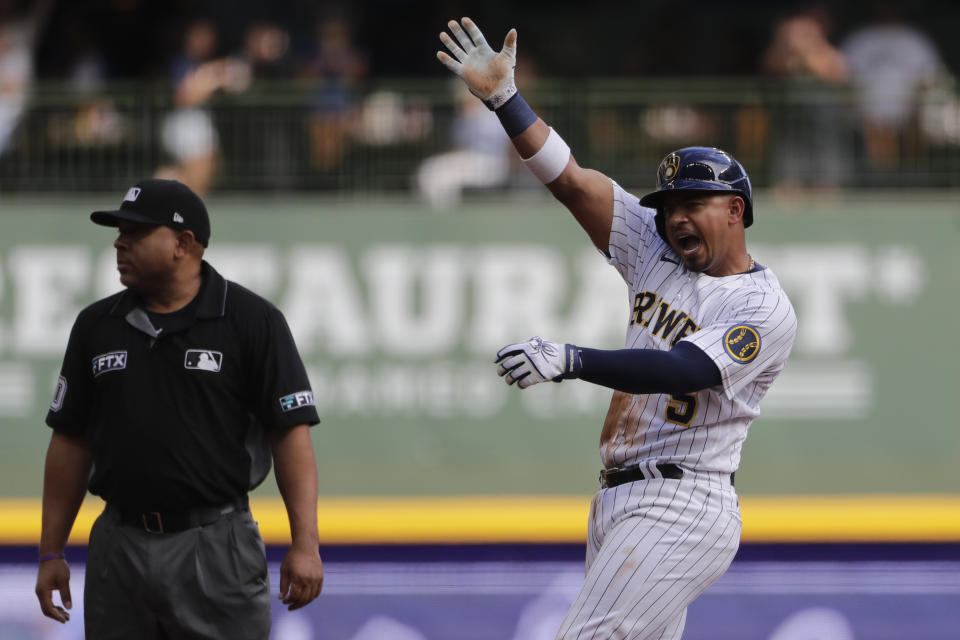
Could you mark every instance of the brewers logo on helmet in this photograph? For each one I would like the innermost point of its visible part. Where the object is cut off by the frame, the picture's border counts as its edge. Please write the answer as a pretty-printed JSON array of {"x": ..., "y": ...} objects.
[{"x": 668, "y": 168}]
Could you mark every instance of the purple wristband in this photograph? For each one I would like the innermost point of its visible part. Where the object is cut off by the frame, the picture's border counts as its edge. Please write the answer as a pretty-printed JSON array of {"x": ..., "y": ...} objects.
[{"x": 51, "y": 556}]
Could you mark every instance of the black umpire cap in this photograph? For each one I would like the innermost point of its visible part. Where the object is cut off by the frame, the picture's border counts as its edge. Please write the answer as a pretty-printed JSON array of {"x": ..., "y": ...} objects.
[{"x": 166, "y": 202}]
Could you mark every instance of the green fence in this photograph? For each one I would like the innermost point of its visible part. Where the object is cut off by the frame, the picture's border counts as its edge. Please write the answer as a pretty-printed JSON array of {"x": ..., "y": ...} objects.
[{"x": 398, "y": 313}]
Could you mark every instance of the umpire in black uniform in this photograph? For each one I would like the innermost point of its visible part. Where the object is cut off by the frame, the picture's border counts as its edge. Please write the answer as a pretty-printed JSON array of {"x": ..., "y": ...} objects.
[{"x": 173, "y": 395}]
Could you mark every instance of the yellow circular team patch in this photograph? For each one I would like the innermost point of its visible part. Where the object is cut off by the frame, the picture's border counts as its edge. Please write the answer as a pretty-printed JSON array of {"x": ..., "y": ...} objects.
[{"x": 742, "y": 342}]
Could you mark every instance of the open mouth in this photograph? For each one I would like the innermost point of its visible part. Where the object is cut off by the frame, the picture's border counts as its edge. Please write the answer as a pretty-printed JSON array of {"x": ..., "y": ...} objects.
[{"x": 688, "y": 244}]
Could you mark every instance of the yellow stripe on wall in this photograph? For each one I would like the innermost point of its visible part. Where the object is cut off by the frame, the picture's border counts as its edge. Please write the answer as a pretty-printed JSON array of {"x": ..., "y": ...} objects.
[
  {"x": 548, "y": 519},
  {"x": 851, "y": 518}
]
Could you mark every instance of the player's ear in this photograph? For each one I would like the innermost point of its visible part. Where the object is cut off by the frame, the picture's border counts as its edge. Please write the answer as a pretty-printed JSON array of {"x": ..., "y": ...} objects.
[{"x": 737, "y": 207}]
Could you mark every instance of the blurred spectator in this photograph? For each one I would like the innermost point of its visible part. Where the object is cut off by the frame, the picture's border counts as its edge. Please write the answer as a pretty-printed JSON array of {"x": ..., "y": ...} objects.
[
  {"x": 890, "y": 63},
  {"x": 811, "y": 138},
  {"x": 337, "y": 66},
  {"x": 940, "y": 117},
  {"x": 95, "y": 122},
  {"x": 266, "y": 48},
  {"x": 270, "y": 137},
  {"x": 480, "y": 158},
  {"x": 188, "y": 132},
  {"x": 19, "y": 32},
  {"x": 388, "y": 117}
]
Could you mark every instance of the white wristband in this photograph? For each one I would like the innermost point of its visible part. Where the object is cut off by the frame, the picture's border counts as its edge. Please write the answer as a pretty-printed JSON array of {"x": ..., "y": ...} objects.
[
  {"x": 552, "y": 158},
  {"x": 500, "y": 97}
]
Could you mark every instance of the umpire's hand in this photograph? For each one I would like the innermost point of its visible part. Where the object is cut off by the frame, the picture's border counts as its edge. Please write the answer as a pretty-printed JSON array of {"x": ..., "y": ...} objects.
[
  {"x": 301, "y": 577},
  {"x": 54, "y": 575}
]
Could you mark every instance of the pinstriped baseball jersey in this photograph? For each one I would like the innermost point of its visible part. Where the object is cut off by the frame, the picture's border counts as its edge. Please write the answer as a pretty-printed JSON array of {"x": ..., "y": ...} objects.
[{"x": 744, "y": 322}]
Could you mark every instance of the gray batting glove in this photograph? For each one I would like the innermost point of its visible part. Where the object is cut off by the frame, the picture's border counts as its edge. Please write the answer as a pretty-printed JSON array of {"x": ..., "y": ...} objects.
[
  {"x": 487, "y": 73},
  {"x": 537, "y": 360}
]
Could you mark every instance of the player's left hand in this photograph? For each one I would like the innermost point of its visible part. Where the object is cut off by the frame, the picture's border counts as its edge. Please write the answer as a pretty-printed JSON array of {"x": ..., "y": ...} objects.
[
  {"x": 537, "y": 360},
  {"x": 301, "y": 577},
  {"x": 487, "y": 73}
]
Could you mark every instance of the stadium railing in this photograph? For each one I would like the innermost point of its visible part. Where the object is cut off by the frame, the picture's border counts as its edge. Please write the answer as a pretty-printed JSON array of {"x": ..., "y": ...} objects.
[{"x": 371, "y": 138}]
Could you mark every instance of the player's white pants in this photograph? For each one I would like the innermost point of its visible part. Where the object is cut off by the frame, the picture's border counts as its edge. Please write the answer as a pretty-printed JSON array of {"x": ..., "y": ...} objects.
[{"x": 653, "y": 546}]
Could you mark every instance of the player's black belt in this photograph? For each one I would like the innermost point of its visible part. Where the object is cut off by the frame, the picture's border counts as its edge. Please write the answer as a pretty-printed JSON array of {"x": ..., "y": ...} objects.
[
  {"x": 614, "y": 477},
  {"x": 173, "y": 521},
  {"x": 617, "y": 476}
]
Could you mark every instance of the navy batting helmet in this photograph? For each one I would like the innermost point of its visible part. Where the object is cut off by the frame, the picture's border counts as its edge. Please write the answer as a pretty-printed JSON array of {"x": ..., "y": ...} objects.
[{"x": 700, "y": 169}]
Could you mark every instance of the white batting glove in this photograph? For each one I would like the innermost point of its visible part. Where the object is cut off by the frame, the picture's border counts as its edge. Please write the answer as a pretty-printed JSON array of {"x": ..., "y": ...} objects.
[
  {"x": 488, "y": 74},
  {"x": 537, "y": 360}
]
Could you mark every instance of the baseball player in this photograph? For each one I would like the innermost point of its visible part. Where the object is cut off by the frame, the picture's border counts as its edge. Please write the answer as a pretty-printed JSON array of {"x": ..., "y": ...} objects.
[{"x": 708, "y": 332}]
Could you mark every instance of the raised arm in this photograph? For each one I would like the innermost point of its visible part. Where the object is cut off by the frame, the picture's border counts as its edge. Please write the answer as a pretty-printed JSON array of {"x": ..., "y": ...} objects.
[{"x": 588, "y": 194}]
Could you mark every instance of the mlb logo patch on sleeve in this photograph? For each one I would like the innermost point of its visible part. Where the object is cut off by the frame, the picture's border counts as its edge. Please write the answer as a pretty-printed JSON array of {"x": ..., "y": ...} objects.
[
  {"x": 203, "y": 359},
  {"x": 297, "y": 400}
]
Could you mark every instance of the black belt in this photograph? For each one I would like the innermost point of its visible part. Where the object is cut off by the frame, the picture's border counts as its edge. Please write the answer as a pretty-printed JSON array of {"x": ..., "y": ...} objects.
[
  {"x": 617, "y": 476},
  {"x": 175, "y": 520},
  {"x": 613, "y": 477}
]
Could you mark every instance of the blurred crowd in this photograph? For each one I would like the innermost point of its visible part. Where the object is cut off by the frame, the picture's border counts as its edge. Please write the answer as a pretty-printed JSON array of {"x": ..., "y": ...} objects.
[
  {"x": 195, "y": 50},
  {"x": 887, "y": 62},
  {"x": 203, "y": 51}
]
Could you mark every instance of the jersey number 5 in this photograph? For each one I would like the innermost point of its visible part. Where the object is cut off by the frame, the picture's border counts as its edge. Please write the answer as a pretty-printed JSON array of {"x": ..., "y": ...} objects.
[{"x": 682, "y": 409}]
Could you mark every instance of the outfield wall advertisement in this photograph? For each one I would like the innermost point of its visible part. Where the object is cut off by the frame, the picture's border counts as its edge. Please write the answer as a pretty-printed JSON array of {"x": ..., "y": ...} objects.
[{"x": 398, "y": 314}]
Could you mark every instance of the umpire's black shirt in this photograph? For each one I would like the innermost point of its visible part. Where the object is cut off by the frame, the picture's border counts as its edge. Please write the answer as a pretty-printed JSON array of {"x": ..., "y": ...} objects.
[{"x": 178, "y": 405}]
